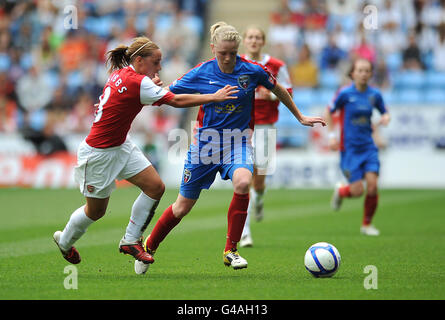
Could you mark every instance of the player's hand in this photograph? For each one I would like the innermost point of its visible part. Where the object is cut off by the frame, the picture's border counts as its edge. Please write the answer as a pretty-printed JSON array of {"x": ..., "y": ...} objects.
[
  {"x": 310, "y": 121},
  {"x": 228, "y": 92},
  {"x": 384, "y": 119},
  {"x": 157, "y": 81}
]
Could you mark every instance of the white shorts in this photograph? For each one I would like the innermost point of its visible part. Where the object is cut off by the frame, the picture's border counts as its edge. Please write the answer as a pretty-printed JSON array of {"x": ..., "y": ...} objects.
[
  {"x": 264, "y": 143},
  {"x": 97, "y": 169}
]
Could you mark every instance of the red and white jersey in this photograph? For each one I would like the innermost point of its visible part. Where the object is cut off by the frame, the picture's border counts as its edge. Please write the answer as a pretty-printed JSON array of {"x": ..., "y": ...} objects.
[
  {"x": 266, "y": 111},
  {"x": 123, "y": 97}
]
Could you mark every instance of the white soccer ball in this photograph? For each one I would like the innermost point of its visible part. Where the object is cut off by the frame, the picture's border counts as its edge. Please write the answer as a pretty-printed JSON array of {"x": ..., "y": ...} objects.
[{"x": 322, "y": 260}]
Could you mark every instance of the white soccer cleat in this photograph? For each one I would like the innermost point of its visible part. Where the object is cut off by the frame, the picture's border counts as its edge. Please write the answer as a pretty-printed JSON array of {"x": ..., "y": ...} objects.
[
  {"x": 369, "y": 230},
  {"x": 336, "y": 200},
  {"x": 246, "y": 241},
  {"x": 234, "y": 260},
  {"x": 140, "y": 267}
]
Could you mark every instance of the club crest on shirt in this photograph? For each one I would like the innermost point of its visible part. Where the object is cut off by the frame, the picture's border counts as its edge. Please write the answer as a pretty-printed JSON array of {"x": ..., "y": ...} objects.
[
  {"x": 187, "y": 175},
  {"x": 244, "y": 81}
]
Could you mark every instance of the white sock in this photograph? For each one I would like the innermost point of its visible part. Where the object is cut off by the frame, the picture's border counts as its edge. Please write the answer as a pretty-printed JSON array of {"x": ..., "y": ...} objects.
[
  {"x": 257, "y": 197},
  {"x": 75, "y": 228},
  {"x": 142, "y": 212},
  {"x": 246, "y": 230}
]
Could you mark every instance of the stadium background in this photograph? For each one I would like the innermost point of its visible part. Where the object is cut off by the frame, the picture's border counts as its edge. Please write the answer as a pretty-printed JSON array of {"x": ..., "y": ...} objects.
[{"x": 52, "y": 75}]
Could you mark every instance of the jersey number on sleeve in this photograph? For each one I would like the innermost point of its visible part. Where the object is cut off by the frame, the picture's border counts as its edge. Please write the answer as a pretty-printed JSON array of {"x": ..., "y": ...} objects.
[{"x": 103, "y": 99}]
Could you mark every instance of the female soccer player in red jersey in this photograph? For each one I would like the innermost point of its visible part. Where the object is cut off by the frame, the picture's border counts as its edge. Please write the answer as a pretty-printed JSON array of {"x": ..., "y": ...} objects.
[
  {"x": 108, "y": 154},
  {"x": 266, "y": 114},
  {"x": 215, "y": 120},
  {"x": 358, "y": 152}
]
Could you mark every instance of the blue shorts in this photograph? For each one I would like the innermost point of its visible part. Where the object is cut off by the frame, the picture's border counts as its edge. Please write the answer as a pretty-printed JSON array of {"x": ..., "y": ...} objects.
[
  {"x": 355, "y": 163},
  {"x": 198, "y": 176}
]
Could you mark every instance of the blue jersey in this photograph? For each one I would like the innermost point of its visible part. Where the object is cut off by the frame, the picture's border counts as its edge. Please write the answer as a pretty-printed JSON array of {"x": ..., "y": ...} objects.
[
  {"x": 355, "y": 109},
  {"x": 206, "y": 77},
  {"x": 223, "y": 130}
]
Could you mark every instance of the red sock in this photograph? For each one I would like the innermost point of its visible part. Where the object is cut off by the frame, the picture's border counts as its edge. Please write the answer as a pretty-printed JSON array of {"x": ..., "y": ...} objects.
[
  {"x": 370, "y": 208},
  {"x": 164, "y": 225},
  {"x": 344, "y": 191},
  {"x": 236, "y": 218}
]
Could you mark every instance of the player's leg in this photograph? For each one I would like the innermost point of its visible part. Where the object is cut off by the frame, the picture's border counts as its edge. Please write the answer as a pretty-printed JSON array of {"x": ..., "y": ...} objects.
[
  {"x": 236, "y": 217},
  {"x": 352, "y": 168},
  {"x": 165, "y": 224},
  {"x": 139, "y": 171},
  {"x": 371, "y": 169},
  {"x": 259, "y": 187},
  {"x": 168, "y": 220},
  {"x": 370, "y": 204},
  {"x": 195, "y": 178},
  {"x": 246, "y": 236},
  {"x": 77, "y": 225},
  {"x": 143, "y": 209},
  {"x": 264, "y": 152}
]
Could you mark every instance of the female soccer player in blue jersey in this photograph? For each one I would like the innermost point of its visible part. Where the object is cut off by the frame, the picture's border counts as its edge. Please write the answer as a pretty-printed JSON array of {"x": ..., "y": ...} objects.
[
  {"x": 222, "y": 138},
  {"x": 358, "y": 153}
]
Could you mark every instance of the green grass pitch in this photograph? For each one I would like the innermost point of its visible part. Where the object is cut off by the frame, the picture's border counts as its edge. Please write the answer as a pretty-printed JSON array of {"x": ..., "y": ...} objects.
[{"x": 409, "y": 253}]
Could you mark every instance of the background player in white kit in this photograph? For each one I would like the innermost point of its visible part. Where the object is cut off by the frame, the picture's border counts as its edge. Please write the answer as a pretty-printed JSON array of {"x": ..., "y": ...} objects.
[
  {"x": 108, "y": 154},
  {"x": 266, "y": 114}
]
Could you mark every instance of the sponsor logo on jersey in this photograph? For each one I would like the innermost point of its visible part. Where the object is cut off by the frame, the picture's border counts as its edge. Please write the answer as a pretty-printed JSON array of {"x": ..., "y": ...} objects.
[
  {"x": 244, "y": 81},
  {"x": 228, "y": 108}
]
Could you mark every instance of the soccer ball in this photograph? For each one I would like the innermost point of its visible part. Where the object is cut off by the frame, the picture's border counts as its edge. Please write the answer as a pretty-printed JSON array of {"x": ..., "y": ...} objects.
[{"x": 322, "y": 260}]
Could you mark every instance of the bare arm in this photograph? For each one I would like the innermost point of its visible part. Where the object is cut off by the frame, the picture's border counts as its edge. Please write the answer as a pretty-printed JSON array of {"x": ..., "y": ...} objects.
[
  {"x": 191, "y": 100},
  {"x": 284, "y": 96},
  {"x": 333, "y": 142},
  {"x": 385, "y": 119}
]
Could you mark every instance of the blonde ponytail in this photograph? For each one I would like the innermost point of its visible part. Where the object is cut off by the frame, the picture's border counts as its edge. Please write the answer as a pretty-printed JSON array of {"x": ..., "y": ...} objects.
[{"x": 221, "y": 31}]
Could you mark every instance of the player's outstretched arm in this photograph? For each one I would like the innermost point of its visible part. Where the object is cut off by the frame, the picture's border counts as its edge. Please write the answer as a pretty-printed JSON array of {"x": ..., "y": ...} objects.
[
  {"x": 333, "y": 142},
  {"x": 284, "y": 96},
  {"x": 191, "y": 100},
  {"x": 385, "y": 119}
]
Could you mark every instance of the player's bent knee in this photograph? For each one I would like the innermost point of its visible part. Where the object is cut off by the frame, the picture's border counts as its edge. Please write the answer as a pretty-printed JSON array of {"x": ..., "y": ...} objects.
[
  {"x": 242, "y": 186},
  {"x": 357, "y": 190},
  {"x": 155, "y": 191}
]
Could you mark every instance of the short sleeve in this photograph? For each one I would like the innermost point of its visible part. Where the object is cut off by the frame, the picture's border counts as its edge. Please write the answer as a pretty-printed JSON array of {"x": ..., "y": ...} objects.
[
  {"x": 337, "y": 102},
  {"x": 265, "y": 78},
  {"x": 283, "y": 77},
  {"x": 185, "y": 84},
  {"x": 151, "y": 94},
  {"x": 380, "y": 104}
]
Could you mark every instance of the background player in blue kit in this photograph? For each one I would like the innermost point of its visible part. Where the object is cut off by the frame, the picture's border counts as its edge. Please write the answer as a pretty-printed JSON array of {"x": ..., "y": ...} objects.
[
  {"x": 358, "y": 153},
  {"x": 222, "y": 138}
]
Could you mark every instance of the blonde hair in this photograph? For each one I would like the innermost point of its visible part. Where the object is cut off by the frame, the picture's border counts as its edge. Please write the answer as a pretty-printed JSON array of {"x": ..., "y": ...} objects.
[
  {"x": 123, "y": 55},
  {"x": 255, "y": 27},
  {"x": 221, "y": 31}
]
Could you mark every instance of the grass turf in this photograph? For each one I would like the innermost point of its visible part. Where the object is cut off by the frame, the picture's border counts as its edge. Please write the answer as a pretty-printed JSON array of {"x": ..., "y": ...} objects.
[{"x": 408, "y": 254}]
